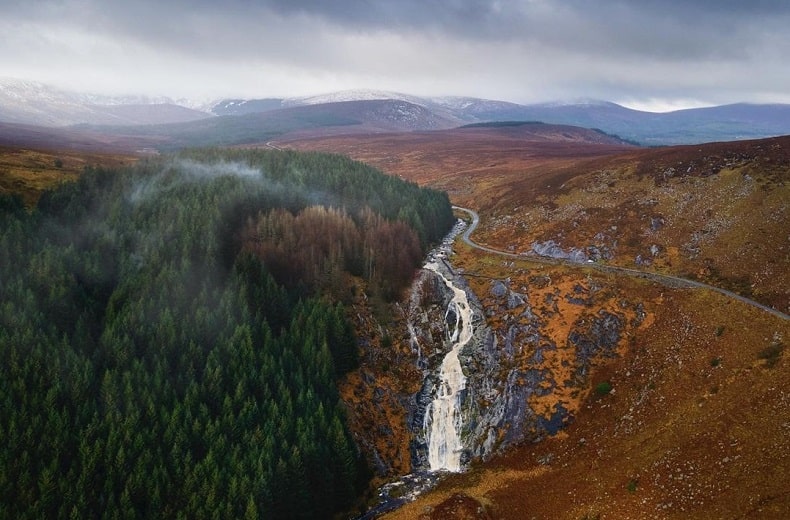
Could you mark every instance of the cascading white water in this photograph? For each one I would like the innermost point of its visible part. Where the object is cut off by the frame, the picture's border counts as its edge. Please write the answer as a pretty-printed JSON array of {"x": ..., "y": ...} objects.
[{"x": 443, "y": 417}]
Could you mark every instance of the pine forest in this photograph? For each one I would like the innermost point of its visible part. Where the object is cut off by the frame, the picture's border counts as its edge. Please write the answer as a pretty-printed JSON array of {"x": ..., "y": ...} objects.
[{"x": 172, "y": 333}]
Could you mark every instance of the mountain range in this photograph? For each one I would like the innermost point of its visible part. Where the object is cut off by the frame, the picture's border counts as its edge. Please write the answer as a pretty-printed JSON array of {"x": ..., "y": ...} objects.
[{"x": 236, "y": 121}]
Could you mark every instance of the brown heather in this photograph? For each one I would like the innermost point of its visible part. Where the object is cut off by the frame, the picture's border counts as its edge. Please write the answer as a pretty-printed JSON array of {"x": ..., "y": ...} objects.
[{"x": 696, "y": 423}]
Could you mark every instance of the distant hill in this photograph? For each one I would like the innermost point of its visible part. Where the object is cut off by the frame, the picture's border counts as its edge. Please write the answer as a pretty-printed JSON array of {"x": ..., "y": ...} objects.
[
  {"x": 191, "y": 122},
  {"x": 238, "y": 107},
  {"x": 722, "y": 123},
  {"x": 372, "y": 116},
  {"x": 33, "y": 103},
  {"x": 77, "y": 139},
  {"x": 456, "y": 160}
]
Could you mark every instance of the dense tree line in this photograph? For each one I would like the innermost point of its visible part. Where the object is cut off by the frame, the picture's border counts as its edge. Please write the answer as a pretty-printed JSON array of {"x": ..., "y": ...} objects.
[
  {"x": 154, "y": 367},
  {"x": 321, "y": 247}
]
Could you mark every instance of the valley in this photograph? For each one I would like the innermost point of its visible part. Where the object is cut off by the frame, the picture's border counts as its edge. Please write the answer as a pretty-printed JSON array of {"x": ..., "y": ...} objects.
[
  {"x": 395, "y": 260},
  {"x": 619, "y": 313},
  {"x": 715, "y": 213},
  {"x": 700, "y": 400}
]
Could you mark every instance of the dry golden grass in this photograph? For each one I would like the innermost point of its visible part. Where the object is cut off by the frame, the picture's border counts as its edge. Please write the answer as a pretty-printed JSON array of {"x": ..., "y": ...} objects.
[
  {"x": 717, "y": 212},
  {"x": 476, "y": 166},
  {"x": 728, "y": 228},
  {"x": 29, "y": 172}
]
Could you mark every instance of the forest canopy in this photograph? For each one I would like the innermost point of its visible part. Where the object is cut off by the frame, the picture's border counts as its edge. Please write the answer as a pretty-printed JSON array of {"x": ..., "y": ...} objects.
[{"x": 172, "y": 332}]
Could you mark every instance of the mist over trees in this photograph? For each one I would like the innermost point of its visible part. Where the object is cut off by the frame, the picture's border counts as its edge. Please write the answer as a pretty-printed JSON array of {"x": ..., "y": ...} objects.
[{"x": 171, "y": 333}]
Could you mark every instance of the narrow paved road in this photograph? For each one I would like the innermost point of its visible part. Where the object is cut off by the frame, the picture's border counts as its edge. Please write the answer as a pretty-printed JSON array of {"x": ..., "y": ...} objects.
[{"x": 665, "y": 279}]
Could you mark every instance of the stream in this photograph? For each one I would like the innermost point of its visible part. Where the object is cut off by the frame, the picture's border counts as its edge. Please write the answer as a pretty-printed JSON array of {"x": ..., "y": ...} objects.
[
  {"x": 443, "y": 417},
  {"x": 442, "y": 421}
]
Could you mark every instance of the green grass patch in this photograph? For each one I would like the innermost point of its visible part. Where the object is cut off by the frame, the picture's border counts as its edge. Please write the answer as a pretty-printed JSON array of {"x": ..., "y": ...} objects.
[{"x": 604, "y": 388}]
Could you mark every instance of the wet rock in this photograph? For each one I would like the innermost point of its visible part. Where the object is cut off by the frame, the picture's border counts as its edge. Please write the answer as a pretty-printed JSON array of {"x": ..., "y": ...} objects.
[
  {"x": 512, "y": 344},
  {"x": 495, "y": 405},
  {"x": 416, "y": 417},
  {"x": 450, "y": 317},
  {"x": 517, "y": 412}
]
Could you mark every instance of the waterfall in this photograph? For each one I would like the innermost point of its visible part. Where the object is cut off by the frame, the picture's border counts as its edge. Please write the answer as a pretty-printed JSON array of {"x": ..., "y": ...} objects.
[{"x": 443, "y": 417}]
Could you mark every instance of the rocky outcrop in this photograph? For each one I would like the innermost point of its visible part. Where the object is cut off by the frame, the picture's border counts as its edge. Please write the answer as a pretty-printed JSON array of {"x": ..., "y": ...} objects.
[
  {"x": 551, "y": 249},
  {"x": 513, "y": 364},
  {"x": 535, "y": 341}
]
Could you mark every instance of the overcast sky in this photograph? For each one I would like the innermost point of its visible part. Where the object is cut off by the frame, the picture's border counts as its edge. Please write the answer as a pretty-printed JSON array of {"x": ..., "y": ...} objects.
[{"x": 657, "y": 54}]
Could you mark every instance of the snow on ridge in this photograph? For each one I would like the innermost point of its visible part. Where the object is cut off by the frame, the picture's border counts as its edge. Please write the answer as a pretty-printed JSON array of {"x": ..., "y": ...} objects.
[
  {"x": 352, "y": 95},
  {"x": 587, "y": 102},
  {"x": 459, "y": 102},
  {"x": 31, "y": 91},
  {"x": 25, "y": 91}
]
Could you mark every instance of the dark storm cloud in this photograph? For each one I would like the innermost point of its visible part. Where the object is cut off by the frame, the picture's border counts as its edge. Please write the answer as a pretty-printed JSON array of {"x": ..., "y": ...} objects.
[
  {"x": 707, "y": 50},
  {"x": 660, "y": 27}
]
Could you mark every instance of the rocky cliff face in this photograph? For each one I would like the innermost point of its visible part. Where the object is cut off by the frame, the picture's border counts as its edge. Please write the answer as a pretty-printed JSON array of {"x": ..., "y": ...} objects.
[
  {"x": 528, "y": 364},
  {"x": 427, "y": 318},
  {"x": 537, "y": 336}
]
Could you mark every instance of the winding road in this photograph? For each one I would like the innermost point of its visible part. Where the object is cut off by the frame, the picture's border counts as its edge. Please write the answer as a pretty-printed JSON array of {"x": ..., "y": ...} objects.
[{"x": 665, "y": 279}]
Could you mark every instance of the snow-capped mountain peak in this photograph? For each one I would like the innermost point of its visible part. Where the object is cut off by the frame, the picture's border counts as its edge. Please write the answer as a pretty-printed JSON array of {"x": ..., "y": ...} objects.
[
  {"x": 31, "y": 102},
  {"x": 351, "y": 95}
]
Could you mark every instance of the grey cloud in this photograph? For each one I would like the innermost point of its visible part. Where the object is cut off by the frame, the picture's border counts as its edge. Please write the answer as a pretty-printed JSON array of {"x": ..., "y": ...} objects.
[
  {"x": 606, "y": 48},
  {"x": 665, "y": 29},
  {"x": 662, "y": 28}
]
